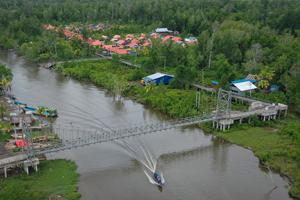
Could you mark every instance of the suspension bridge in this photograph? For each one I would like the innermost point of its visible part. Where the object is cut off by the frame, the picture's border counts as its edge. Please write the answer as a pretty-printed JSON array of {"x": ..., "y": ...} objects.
[{"x": 70, "y": 137}]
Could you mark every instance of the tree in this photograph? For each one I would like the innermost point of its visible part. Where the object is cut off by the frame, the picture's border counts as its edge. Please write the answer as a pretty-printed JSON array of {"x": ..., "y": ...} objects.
[
  {"x": 266, "y": 75},
  {"x": 184, "y": 77},
  {"x": 264, "y": 84},
  {"x": 224, "y": 71},
  {"x": 254, "y": 57},
  {"x": 215, "y": 27},
  {"x": 5, "y": 78}
]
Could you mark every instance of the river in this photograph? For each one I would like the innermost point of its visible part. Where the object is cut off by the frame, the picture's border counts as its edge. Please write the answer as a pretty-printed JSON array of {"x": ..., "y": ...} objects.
[{"x": 195, "y": 165}]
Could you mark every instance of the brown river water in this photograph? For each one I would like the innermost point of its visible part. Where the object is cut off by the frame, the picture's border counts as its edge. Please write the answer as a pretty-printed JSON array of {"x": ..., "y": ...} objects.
[{"x": 196, "y": 166}]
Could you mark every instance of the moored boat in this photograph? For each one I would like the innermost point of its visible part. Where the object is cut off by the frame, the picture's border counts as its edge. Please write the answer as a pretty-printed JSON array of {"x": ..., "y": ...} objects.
[
  {"x": 42, "y": 111},
  {"x": 19, "y": 103}
]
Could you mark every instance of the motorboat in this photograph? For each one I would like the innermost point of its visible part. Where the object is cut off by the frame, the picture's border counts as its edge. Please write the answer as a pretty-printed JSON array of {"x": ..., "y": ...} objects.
[
  {"x": 155, "y": 178},
  {"x": 42, "y": 111}
]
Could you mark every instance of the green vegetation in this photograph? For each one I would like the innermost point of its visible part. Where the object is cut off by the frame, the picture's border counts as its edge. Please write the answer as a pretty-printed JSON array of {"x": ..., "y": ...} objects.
[
  {"x": 276, "y": 144},
  {"x": 235, "y": 38},
  {"x": 56, "y": 179},
  {"x": 5, "y": 79},
  {"x": 4, "y": 131},
  {"x": 4, "y": 137},
  {"x": 122, "y": 81}
]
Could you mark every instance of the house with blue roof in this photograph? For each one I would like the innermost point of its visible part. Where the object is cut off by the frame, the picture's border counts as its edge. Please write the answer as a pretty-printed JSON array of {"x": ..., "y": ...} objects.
[
  {"x": 242, "y": 86},
  {"x": 157, "y": 79}
]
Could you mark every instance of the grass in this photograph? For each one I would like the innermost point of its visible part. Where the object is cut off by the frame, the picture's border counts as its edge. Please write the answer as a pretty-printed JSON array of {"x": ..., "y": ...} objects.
[{"x": 56, "y": 179}]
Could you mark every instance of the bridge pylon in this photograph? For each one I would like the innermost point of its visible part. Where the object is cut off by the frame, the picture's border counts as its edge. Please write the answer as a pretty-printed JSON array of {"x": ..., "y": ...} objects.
[
  {"x": 32, "y": 160},
  {"x": 223, "y": 110}
]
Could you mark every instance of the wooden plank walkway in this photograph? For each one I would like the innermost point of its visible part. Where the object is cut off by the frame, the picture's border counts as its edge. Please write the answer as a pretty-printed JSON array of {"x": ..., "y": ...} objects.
[{"x": 51, "y": 65}]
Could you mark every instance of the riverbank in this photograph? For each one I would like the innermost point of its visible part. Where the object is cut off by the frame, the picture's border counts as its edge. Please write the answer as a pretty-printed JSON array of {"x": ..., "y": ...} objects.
[
  {"x": 275, "y": 144},
  {"x": 56, "y": 179},
  {"x": 121, "y": 80}
]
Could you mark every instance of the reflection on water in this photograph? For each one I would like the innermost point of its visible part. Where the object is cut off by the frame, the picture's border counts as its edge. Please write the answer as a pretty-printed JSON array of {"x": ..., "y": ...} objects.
[{"x": 196, "y": 166}]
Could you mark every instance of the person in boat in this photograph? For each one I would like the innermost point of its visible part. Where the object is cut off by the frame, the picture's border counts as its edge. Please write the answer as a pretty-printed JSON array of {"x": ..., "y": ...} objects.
[{"x": 157, "y": 177}]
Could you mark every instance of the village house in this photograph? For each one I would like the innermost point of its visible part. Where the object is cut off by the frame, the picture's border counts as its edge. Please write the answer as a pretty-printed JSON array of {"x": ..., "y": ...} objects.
[
  {"x": 191, "y": 40},
  {"x": 164, "y": 31},
  {"x": 242, "y": 86}
]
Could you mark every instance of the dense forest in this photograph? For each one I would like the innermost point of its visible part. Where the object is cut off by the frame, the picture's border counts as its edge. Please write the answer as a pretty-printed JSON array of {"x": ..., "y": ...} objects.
[{"x": 236, "y": 38}]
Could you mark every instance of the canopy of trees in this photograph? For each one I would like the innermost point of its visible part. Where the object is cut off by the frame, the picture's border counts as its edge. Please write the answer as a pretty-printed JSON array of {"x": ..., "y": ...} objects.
[{"x": 260, "y": 37}]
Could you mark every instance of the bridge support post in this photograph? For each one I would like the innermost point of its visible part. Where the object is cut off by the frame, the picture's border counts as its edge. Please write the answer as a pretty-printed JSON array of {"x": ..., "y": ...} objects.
[
  {"x": 26, "y": 169},
  {"x": 285, "y": 113},
  {"x": 31, "y": 163},
  {"x": 5, "y": 172},
  {"x": 35, "y": 167}
]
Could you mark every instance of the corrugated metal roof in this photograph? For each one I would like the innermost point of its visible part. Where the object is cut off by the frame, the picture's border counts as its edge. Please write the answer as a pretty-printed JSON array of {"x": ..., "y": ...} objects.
[
  {"x": 243, "y": 80},
  {"x": 162, "y": 30},
  {"x": 156, "y": 76},
  {"x": 245, "y": 86}
]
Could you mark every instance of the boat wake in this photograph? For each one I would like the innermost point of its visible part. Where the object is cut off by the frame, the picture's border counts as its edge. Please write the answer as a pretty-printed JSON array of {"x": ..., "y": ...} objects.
[{"x": 143, "y": 154}]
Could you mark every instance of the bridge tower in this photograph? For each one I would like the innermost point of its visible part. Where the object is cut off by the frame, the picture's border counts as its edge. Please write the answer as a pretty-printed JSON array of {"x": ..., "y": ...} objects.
[
  {"x": 223, "y": 110},
  {"x": 223, "y": 103},
  {"x": 32, "y": 160},
  {"x": 28, "y": 139}
]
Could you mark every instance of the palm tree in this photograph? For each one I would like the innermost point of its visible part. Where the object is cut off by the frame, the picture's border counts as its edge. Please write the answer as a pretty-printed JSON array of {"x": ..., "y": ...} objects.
[
  {"x": 266, "y": 75},
  {"x": 6, "y": 83}
]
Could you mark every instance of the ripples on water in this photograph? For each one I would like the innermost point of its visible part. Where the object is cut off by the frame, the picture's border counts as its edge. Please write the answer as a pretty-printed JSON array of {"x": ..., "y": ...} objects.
[{"x": 141, "y": 152}]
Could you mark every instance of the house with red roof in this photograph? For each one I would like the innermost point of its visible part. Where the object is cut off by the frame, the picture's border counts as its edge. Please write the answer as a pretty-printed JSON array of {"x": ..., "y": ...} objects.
[
  {"x": 134, "y": 43},
  {"x": 115, "y": 49},
  {"x": 115, "y": 38},
  {"x": 90, "y": 41},
  {"x": 177, "y": 40},
  {"x": 130, "y": 36},
  {"x": 68, "y": 34},
  {"x": 155, "y": 35},
  {"x": 96, "y": 43},
  {"x": 48, "y": 27},
  {"x": 167, "y": 38},
  {"x": 147, "y": 43},
  {"x": 121, "y": 42},
  {"x": 143, "y": 35}
]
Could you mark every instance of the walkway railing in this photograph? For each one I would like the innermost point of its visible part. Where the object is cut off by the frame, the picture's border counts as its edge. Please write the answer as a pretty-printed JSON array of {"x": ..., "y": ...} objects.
[{"x": 74, "y": 138}]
